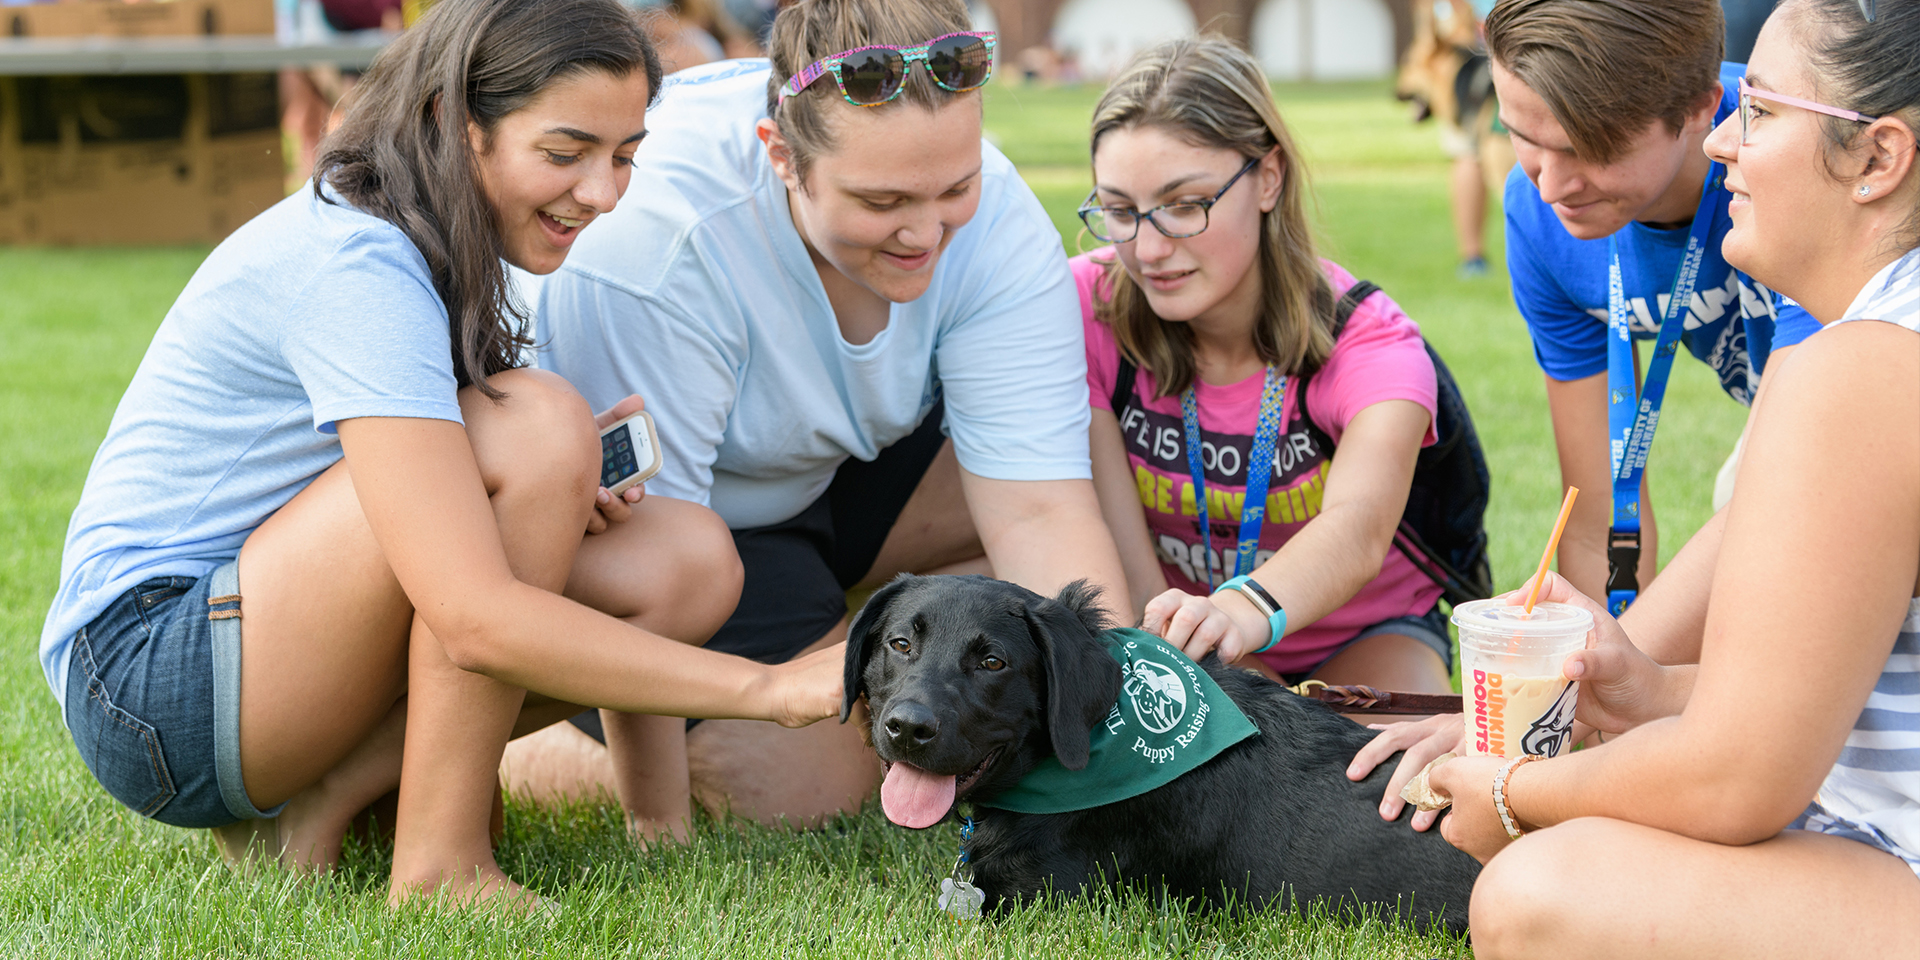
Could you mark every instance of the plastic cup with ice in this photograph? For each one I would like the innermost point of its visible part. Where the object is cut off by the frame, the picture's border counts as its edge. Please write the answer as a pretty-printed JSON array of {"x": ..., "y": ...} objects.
[{"x": 1516, "y": 699}]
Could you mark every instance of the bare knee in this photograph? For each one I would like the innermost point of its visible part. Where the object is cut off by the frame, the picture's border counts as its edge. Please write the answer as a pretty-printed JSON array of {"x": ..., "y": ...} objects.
[
  {"x": 540, "y": 434},
  {"x": 1529, "y": 897},
  {"x": 703, "y": 575},
  {"x": 670, "y": 568},
  {"x": 1393, "y": 661}
]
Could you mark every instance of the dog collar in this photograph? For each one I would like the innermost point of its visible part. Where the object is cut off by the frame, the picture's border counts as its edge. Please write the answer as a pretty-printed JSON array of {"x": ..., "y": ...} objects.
[{"x": 1170, "y": 718}]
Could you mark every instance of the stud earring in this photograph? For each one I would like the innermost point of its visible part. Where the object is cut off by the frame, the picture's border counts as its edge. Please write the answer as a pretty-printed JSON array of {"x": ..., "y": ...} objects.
[{"x": 1864, "y": 189}]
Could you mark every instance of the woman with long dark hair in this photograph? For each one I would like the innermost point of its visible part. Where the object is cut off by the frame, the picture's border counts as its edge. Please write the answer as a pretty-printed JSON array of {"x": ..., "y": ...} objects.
[{"x": 331, "y": 516}]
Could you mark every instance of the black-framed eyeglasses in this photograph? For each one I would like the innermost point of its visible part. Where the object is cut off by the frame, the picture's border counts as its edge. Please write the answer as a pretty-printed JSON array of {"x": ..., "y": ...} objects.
[{"x": 1188, "y": 218}]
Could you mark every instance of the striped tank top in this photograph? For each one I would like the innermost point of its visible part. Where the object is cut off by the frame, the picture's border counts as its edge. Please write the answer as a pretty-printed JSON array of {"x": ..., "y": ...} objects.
[{"x": 1873, "y": 792}]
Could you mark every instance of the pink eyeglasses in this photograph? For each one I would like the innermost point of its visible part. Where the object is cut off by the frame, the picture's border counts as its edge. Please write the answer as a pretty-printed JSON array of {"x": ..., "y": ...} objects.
[{"x": 1749, "y": 93}]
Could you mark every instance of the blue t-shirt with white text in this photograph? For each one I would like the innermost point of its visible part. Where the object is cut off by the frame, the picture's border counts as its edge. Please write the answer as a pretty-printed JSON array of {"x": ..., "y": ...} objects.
[{"x": 1560, "y": 286}]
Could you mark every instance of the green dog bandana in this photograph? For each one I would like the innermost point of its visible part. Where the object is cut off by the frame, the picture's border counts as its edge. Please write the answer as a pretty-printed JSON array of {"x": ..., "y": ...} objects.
[{"x": 1171, "y": 717}]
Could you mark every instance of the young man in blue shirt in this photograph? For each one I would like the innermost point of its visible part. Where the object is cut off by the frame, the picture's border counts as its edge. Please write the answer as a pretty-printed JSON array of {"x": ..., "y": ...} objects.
[{"x": 1608, "y": 103}]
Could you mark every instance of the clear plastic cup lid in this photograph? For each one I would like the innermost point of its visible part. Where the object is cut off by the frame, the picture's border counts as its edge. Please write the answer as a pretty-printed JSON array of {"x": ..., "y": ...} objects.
[{"x": 1498, "y": 616}]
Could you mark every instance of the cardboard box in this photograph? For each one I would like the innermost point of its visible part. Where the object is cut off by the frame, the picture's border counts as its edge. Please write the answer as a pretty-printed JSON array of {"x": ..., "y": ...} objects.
[
  {"x": 136, "y": 159},
  {"x": 141, "y": 18}
]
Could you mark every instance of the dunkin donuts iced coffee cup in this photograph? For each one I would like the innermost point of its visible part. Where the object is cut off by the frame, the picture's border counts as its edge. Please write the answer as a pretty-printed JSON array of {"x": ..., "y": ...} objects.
[{"x": 1515, "y": 697}]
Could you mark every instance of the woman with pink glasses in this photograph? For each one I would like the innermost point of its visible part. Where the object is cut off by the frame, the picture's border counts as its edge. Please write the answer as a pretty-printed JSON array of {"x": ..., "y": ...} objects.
[
  {"x": 1763, "y": 800},
  {"x": 855, "y": 327}
]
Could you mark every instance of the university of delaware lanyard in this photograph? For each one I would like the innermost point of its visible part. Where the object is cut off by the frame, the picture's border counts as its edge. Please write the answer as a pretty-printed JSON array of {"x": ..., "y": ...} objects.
[
  {"x": 1253, "y": 508},
  {"x": 1631, "y": 420}
]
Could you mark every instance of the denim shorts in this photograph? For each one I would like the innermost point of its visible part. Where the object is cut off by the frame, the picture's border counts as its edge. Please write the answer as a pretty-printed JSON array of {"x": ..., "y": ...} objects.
[
  {"x": 1429, "y": 628},
  {"x": 153, "y": 700}
]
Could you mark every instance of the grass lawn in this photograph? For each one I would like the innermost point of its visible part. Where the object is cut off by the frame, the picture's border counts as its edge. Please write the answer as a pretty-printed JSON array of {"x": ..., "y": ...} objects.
[{"x": 80, "y": 876}]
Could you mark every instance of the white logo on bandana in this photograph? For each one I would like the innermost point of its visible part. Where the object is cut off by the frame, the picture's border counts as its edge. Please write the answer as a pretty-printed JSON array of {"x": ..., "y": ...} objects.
[{"x": 1158, "y": 694}]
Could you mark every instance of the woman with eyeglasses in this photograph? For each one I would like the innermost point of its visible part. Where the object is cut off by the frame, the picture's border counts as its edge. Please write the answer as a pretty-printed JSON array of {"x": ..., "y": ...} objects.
[
  {"x": 1212, "y": 301},
  {"x": 1764, "y": 801},
  {"x": 856, "y": 329}
]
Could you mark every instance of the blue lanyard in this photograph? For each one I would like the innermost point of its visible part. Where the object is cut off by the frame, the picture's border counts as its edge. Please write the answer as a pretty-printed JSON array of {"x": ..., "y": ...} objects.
[
  {"x": 1253, "y": 507},
  {"x": 1631, "y": 419}
]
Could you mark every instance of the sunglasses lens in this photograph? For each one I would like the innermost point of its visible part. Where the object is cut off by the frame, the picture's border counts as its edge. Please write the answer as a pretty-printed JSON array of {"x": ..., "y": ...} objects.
[
  {"x": 872, "y": 76},
  {"x": 960, "y": 63}
]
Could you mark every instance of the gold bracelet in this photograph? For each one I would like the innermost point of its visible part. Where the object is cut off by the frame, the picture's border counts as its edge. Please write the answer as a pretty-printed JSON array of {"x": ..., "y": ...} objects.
[{"x": 1500, "y": 803}]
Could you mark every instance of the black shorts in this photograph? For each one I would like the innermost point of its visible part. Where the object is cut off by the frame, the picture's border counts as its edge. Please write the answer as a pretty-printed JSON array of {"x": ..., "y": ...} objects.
[{"x": 798, "y": 571}]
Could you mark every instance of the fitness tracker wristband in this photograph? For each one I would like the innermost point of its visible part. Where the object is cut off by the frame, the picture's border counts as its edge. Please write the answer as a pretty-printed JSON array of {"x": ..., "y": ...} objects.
[{"x": 1263, "y": 602}]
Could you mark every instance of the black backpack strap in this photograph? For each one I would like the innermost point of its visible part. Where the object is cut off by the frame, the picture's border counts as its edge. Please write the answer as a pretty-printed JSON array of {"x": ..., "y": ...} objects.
[
  {"x": 1122, "y": 384},
  {"x": 1342, "y": 312},
  {"x": 1349, "y": 302}
]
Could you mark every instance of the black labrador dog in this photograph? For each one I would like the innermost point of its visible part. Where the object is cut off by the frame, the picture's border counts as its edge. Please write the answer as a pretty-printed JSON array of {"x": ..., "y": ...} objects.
[{"x": 971, "y": 682}]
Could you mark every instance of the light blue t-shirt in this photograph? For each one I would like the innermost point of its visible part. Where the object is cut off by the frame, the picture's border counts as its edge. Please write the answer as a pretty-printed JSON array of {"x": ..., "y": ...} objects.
[
  {"x": 1560, "y": 286},
  {"x": 697, "y": 293},
  {"x": 308, "y": 314}
]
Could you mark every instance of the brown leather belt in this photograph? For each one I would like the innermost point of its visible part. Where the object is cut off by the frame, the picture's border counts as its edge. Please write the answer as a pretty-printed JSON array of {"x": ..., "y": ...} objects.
[{"x": 1359, "y": 698}]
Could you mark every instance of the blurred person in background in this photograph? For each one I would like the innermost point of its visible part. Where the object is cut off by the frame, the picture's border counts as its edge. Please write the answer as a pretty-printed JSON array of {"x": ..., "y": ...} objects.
[
  {"x": 350, "y": 15},
  {"x": 692, "y": 32},
  {"x": 755, "y": 18},
  {"x": 310, "y": 96},
  {"x": 1744, "y": 19},
  {"x": 1445, "y": 73}
]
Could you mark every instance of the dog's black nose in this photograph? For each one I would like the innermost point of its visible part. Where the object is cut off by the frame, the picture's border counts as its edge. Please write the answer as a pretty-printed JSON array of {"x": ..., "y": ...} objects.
[{"x": 911, "y": 724}]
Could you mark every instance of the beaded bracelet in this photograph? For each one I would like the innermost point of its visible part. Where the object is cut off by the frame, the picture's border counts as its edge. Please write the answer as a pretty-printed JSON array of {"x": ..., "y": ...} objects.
[{"x": 1500, "y": 804}]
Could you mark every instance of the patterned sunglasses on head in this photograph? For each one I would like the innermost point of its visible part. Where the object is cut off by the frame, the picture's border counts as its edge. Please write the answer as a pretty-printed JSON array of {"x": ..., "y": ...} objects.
[{"x": 872, "y": 75}]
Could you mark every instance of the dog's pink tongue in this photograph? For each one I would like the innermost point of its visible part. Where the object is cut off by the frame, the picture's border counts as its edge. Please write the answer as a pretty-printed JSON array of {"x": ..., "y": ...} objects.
[{"x": 912, "y": 797}]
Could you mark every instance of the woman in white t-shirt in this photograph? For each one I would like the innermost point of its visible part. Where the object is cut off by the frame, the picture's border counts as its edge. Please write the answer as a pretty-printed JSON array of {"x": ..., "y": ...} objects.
[
  {"x": 329, "y": 517},
  {"x": 828, "y": 271}
]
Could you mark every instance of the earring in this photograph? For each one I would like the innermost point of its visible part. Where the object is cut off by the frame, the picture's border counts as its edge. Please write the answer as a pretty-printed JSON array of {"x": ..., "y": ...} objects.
[{"x": 1865, "y": 189}]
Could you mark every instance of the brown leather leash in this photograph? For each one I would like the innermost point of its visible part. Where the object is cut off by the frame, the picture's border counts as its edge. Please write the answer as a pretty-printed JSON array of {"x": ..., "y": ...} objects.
[{"x": 1360, "y": 697}]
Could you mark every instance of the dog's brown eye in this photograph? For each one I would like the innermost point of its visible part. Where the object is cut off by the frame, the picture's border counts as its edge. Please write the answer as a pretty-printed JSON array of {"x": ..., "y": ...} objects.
[
  {"x": 901, "y": 644},
  {"x": 993, "y": 663}
]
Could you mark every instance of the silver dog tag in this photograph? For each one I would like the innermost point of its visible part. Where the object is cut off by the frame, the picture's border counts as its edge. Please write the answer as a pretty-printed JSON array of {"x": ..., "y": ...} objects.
[{"x": 960, "y": 898}]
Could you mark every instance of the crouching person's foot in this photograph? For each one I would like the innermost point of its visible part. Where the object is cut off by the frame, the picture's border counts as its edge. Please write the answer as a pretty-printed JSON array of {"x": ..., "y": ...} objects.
[
  {"x": 649, "y": 833},
  {"x": 482, "y": 886},
  {"x": 249, "y": 844},
  {"x": 305, "y": 837}
]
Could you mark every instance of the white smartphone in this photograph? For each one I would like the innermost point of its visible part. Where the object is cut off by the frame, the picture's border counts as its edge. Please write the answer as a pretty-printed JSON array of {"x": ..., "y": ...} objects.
[{"x": 629, "y": 454}]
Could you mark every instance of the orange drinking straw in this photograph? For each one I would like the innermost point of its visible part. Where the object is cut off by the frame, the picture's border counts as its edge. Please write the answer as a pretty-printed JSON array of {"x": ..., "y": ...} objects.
[{"x": 1566, "y": 507}]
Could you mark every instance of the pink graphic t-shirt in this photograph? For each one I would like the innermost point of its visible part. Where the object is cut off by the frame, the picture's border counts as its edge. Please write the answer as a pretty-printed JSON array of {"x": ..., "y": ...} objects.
[{"x": 1378, "y": 357}]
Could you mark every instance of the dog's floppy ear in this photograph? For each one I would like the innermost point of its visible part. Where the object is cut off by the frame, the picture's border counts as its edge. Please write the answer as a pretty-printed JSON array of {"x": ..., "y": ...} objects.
[
  {"x": 1082, "y": 681},
  {"x": 1083, "y": 599},
  {"x": 860, "y": 641}
]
